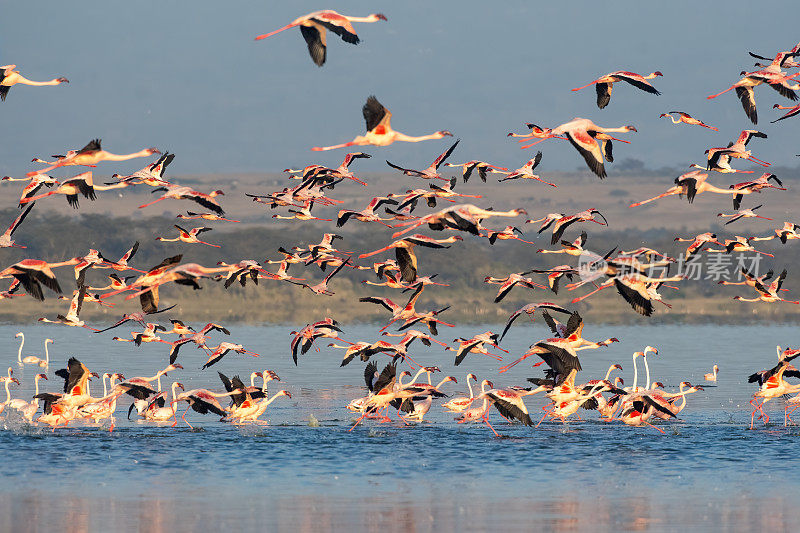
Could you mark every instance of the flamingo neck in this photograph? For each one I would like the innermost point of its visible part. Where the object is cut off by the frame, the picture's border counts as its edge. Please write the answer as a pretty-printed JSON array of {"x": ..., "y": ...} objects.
[
  {"x": 46, "y": 354},
  {"x": 635, "y": 374},
  {"x": 174, "y": 401},
  {"x": 8, "y": 393},
  {"x": 125, "y": 157},
  {"x": 409, "y": 138},
  {"x": 647, "y": 369},
  {"x": 105, "y": 391},
  {"x": 469, "y": 384},
  {"x": 19, "y": 352},
  {"x": 36, "y": 384}
]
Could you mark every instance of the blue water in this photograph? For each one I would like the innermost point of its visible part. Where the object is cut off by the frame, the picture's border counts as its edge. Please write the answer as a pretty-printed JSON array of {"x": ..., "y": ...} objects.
[{"x": 708, "y": 471}]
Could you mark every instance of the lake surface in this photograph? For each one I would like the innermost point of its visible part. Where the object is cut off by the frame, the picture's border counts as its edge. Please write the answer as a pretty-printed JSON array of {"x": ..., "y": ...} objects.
[{"x": 707, "y": 472}]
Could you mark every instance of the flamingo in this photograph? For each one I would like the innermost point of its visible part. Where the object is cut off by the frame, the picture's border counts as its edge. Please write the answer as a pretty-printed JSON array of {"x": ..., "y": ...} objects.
[
  {"x": 5, "y": 239},
  {"x": 793, "y": 110},
  {"x": 789, "y": 231},
  {"x": 742, "y": 244},
  {"x": 10, "y": 77},
  {"x": 697, "y": 243},
  {"x": 460, "y": 403},
  {"x": 744, "y": 89},
  {"x": 223, "y": 348},
  {"x": 689, "y": 184},
  {"x": 744, "y": 213},
  {"x": 749, "y": 187},
  {"x": 511, "y": 281},
  {"x": 33, "y": 273},
  {"x": 28, "y": 409},
  {"x": 476, "y": 345},
  {"x": 769, "y": 293},
  {"x": 313, "y": 27},
  {"x": 32, "y": 359},
  {"x": 379, "y": 129},
  {"x": 6, "y": 380},
  {"x": 177, "y": 192},
  {"x": 482, "y": 167},
  {"x": 404, "y": 252},
  {"x": 463, "y": 217},
  {"x": 158, "y": 409},
  {"x": 712, "y": 376},
  {"x": 529, "y": 310},
  {"x": 686, "y": 118},
  {"x": 304, "y": 339},
  {"x": 203, "y": 401},
  {"x": 189, "y": 236},
  {"x": 366, "y": 215},
  {"x": 152, "y": 174},
  {"x": 90, "y": 155},
  {"x": 432, "y": 172},
  {"x": 560, "y": 225},
  {"x": 737, "y": 149},
  {"x": 773, "y": 387},
  {"x": 582, "y": 133},
  {"x": 605, "y": 83},
  {"x": 526, "y": 171}
]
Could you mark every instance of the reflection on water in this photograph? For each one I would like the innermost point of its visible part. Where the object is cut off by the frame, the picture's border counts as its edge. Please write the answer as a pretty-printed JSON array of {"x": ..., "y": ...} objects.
[{"x": 707, "y": 472}]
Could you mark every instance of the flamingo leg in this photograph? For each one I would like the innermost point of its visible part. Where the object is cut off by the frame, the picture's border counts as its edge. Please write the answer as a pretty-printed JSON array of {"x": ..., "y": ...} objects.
[
  {"x": 645, "y": 422},
  {"x": 335, "y": 146},
  {"x": 485, "y": 419}
]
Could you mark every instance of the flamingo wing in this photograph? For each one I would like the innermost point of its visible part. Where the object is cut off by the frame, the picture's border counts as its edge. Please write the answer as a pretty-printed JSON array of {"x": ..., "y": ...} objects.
[
  {"x": 589, "y": 150},
  {"x": 375, "y": 114},
  {"x": 315, "y": 39}
]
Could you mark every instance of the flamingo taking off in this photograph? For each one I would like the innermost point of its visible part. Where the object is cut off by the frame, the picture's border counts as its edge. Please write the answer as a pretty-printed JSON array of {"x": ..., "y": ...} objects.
[{"x": 313, "y": 27}]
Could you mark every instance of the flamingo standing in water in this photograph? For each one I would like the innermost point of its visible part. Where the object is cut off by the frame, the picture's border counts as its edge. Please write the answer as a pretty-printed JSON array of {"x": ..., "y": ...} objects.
[
  {"x": 32, "y": 359},
  {"x": 379, "y": 129},
  {"x": 604, "y": 84},
  {"x": 28, "y": 409},
  {"x": 460, "y": 403},
  {"x": 10, "y": 77},
  {"x": 712, "y": 376},
  {"x": 313, "y": 27}
]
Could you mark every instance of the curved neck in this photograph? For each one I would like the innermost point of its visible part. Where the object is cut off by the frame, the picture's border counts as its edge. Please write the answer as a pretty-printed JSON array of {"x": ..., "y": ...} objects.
[
  {"x": 469, "y": 384},
  {"x": 174, "y": 401},
  {"x": 8, "y": 393},
  {"x": 445, "y": 380},
  {"x": 105, "y": 391},
  {"x": 36, "y": 384},
  {"x": 647, "y": 370},
  {"x": 46, "y": 354},
  {"x": 21, "y": 344},
  {"x": 609, "y": 372}
]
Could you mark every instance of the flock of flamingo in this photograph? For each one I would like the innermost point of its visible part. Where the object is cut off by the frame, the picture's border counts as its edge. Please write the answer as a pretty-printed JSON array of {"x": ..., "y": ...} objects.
[{"x": 629, "y": 272}]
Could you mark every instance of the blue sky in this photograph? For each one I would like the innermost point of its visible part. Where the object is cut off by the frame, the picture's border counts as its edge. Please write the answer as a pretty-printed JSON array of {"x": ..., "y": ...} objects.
[{"x": 189, "y": 78}]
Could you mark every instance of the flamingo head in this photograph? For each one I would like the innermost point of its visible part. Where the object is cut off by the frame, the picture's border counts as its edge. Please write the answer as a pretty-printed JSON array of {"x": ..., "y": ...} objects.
[
  {"x": 20, "y": 334},
  {"x": 41, "y": 376},
  {"x": 773, "y": 107},
  {"x": 258, "y": 374},
  {"x": 179, "y": 384},
  {"x": 378, "y": 16},
  {"x": 62, "y": 80},
  {"x": 650, "y": 349},
  {"x": 48, "y": 340},
  {"x": 488, "y": 383},
  {"x": 404, "y": 373},
  {"x": 472, "y": 376},
  {"x": 284, "y": 393},
  {"x": 444, "y": 133},
  {"x": 153, "y": 151},
  {"x": 631, "y": 128},
  {"x": 657, "y": 73},
  {"x": 616, "y": 366},
  {"x": 450, "y": 378},
  {"x": 432, "y": 369},
  {"x": 657, "y": 385},
  {"x": 94, "y": 374},
  {"x": 662, "y": 115},
  {"x": 216, "y": 193}
]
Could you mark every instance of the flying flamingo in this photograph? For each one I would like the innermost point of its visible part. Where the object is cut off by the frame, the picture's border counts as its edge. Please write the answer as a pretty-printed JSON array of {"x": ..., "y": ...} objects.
[
  {"x": 582, "y": 134},
  {"x": 313, "y": 27},
  {"x": 10, "y": 77},
  {"x": 379, "y": 129},
  {"x": 404, "y": 252},
  {"x": 432, "y": 172},
  {"x": 205, "y": 216},
  {"x": 511, "y": 281},
  {"x": 189, "y": 236},
  {"x": 526, "y": 171},
  {"x": 697, "y": 243},
  {"x": 203, "y": 401},
  {"x": 789, "y": 231},
  {"x": 604, "y": 84},
  {"x": 5, "y": 239},
  {"x": 793, "y": 111},
  {"x": 463, "y": 217},
  {"x": 689, "y": 184},
  {"x": 32, "y": 359},
  {"x": 769, "y": 293},
  {"x": 481, "y": 166},
  {"x": 366, "y": 215},
  {"x": 774, "y": 387},
  {"x": 748, "y": 187},
  {"x": 177, "y": 192},
  {"x": 744, "y": 89},
  {"x": 90, "y": 155},
  {"x": 744, "y": 213},
  {"x": 33, "y": 273},
  {"x": 35, "y": 183},
  {"x": 686, "y": 118}
]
